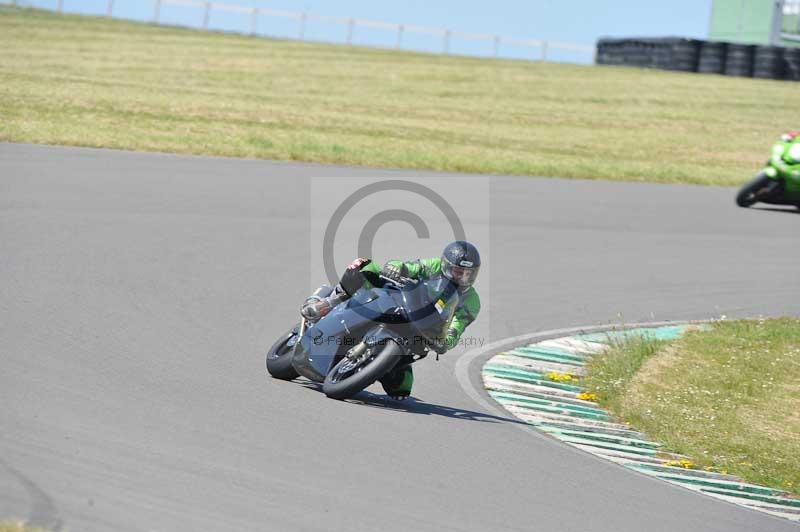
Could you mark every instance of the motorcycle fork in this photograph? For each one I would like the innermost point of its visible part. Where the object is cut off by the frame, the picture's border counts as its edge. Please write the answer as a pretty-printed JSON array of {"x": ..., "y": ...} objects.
[
  {"x": 356, "y": 352},
  {"x": 300, "y": 333}
]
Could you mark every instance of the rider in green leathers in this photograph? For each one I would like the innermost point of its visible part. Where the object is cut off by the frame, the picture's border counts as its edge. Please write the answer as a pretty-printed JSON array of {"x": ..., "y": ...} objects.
[
  {"x": 460, "y": 262},
  {"x": 786, "y": 154}
]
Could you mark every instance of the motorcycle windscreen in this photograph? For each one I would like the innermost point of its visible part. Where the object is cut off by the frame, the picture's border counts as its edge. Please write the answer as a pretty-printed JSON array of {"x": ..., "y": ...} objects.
[{"x": 430, "y": 306}]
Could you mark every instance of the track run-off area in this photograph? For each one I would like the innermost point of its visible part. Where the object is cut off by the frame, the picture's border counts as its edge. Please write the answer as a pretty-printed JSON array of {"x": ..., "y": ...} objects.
[{"x": 138, "y": 293}]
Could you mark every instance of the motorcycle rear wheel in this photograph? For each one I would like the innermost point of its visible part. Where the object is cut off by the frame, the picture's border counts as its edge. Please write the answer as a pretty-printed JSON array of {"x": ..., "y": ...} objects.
[
  {"x": 279, "y": 357},
  {"x": 349, "y": 377}
]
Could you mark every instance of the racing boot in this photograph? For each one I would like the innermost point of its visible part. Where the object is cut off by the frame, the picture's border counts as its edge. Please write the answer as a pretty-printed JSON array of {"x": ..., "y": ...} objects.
[{"x": 397, "y": 383}]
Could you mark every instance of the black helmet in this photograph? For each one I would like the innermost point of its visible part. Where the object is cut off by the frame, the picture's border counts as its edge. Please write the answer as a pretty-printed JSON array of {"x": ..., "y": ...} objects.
[{"x": 461, "y": 262}]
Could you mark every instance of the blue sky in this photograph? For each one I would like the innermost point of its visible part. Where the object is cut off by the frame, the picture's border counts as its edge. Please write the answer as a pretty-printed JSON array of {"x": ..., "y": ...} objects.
[{"x": 575, "y": 21}]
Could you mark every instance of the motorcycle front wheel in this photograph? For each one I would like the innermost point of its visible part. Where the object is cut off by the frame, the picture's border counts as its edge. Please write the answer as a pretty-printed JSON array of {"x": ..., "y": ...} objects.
[
  {"x": 279, "y": 356},
  {"x": 756, "y": 190},
  {"x": 358, "y": 370}
]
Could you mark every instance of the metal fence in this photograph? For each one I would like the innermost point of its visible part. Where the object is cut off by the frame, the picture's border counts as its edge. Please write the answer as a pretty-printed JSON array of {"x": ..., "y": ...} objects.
[{"x": 538, "y": 49}]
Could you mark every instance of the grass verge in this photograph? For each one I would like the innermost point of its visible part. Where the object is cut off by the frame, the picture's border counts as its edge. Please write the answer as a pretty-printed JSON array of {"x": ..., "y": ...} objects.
[
  {"x": 728, "y": 397},
  {"x": 17, "y": 526},
  {"x": 87, "y": 81}
]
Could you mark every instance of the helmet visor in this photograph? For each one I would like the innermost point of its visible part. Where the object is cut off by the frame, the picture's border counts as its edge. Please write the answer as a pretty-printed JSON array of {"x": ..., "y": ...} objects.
[{"x": 461, "y": 275}]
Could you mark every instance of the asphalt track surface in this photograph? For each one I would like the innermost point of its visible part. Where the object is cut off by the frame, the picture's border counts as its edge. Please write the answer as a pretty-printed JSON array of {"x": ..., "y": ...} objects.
[{"x": 138, "y": 293}]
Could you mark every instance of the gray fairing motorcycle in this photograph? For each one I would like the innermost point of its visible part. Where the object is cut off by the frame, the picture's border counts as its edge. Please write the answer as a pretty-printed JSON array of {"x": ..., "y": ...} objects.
[{"x": 367, "y": 336}]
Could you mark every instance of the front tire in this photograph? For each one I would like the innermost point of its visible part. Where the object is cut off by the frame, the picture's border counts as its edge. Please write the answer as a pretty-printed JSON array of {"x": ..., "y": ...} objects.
[
  {"x": 753, "y": 191},
  {"x": 279, "y": 356},
  {"x": 349, "y": 376}
]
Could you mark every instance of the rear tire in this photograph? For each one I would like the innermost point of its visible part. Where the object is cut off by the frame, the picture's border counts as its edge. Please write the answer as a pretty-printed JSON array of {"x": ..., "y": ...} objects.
[
  {"x": 752, "y": 192},
  {"x": 279, "y": 357},
  {"x": 342, "y": 382}
]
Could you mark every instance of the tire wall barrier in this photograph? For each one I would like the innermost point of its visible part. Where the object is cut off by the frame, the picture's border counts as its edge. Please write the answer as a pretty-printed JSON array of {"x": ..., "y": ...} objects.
[
  {"x": 791, "y": 64},
  {"x": 705, "y": 57}
]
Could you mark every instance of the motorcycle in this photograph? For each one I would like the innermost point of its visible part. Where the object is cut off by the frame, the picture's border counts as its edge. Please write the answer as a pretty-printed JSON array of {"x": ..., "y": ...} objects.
[
  {"x": 365, "y": 337},
  {"x": 778, "y": 183}
]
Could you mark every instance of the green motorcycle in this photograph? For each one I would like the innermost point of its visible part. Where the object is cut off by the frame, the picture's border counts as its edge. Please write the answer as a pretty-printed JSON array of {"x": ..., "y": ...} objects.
[{"x": 779, "y": 182}]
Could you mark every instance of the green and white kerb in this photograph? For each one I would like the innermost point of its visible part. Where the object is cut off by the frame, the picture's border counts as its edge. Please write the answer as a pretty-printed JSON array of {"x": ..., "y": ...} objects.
[{"x": 536, "y": 383}]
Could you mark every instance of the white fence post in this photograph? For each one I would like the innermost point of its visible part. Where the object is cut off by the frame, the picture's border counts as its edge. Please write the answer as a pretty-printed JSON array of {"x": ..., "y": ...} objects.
[
  {"x": 301, "y": 34},
  {"x": 350, "y": 25},
  {"x": 254, "y": 21},
  {"x": 206, "y": 15}
]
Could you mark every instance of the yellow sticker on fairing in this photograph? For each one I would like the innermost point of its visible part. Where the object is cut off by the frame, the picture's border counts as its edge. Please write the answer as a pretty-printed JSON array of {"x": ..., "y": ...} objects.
[{"x": 439, "y": 306}]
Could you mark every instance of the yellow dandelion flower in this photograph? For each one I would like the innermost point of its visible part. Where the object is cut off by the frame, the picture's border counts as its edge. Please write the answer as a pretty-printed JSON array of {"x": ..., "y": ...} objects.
[
  {"x": 561, "y": 377},
  {"x": 685, "y": 464}
]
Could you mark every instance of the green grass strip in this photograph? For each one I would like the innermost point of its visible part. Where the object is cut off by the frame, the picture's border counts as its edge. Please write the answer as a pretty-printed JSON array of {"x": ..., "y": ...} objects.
[
  {"x": 93, "y": 81},
  {"x": 728, "y": 396},
  {"x": 18, "y": 526}
]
